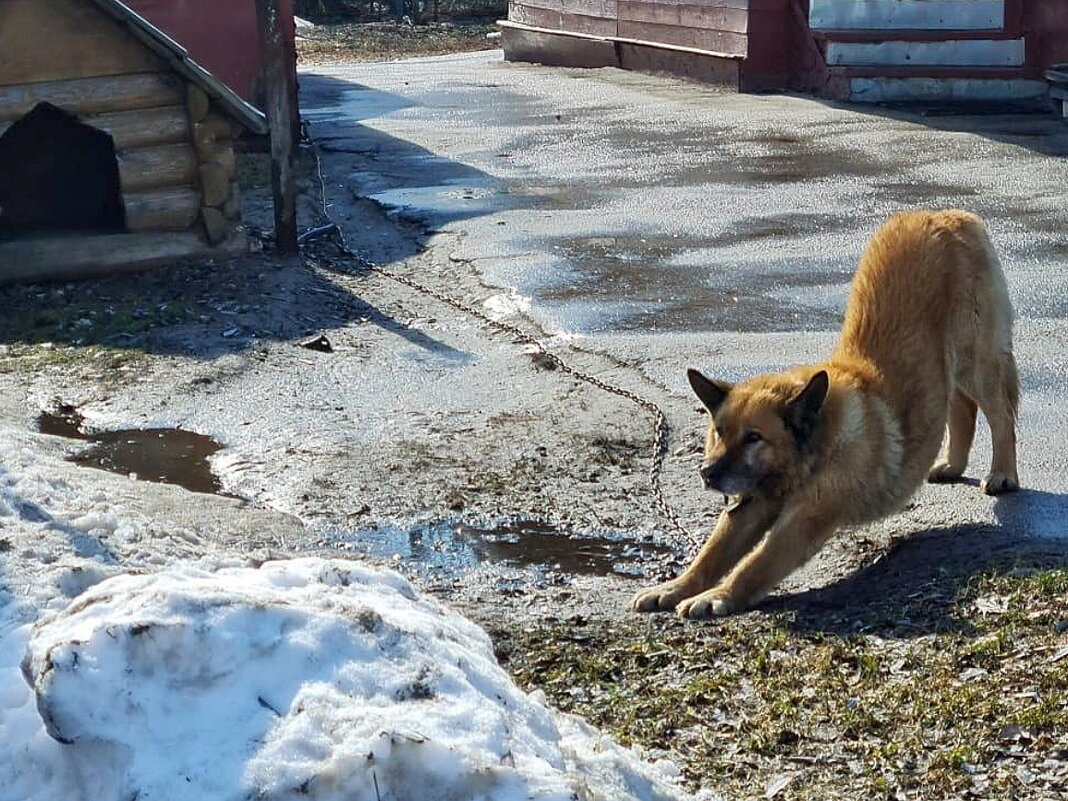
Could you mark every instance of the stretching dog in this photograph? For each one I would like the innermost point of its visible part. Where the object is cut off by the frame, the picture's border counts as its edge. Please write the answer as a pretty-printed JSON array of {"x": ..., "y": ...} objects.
[{"x": 927, "y": 341}]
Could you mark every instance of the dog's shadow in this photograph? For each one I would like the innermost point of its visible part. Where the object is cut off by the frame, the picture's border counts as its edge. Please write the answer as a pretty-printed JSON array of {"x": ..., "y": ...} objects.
[{"x": 914, "y": 587}]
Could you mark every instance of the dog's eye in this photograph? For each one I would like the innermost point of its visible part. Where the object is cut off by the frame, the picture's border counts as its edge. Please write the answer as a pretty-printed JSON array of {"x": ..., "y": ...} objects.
[{"x": 752, "y": 437}]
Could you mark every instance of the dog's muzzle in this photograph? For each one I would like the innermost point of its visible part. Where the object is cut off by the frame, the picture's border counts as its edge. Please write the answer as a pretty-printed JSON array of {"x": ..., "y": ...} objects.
[
  {"x": 725, "y": 481},
  {"x": 711, "y": 474}
]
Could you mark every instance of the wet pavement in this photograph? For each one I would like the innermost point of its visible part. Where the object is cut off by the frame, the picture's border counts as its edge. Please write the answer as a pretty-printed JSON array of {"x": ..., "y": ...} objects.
[
  {"x": 625, "y": 202},
  {"x": 637, "y": 226},
  {"x": 668, "y": 225}
]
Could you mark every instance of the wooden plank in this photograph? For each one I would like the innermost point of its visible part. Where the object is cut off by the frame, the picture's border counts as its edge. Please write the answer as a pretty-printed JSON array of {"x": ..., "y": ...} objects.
[
  {"x": 197, "y": 102},
  {"x": 216, "y": 225},
  {"x": 156, "y": 167},
  {"x": 62, "y": 39},
  {"x": 224, "y": 158},
  {"x": 162, "y": 209},
  {"x": 214, "y": 184},
  {"x": 542, "y": 46},
  {"x": 536, "y": 17},
  {"x": 685, "y": 14},
  {"x": 716, "y": 70},
  {"x": 78, "y": 256},
  {"x": 724, "y": 42},
  {"x": 167, "y": 125},
  {"x": 280, "y": 89},
  {"x": 736, "y": 5},
  {"x": 591, "y": 25},
  {"x": 94, "y": 95},
  {"x": 547, "y": 5}
]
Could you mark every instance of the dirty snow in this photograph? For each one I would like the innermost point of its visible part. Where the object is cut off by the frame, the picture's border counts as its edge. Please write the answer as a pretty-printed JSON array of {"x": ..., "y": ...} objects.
[{"x": 219, "y": 679}]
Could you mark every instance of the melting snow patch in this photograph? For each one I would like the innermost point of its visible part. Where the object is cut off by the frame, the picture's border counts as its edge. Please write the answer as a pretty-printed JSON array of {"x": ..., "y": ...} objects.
[
  {"x": 506, "y": 304},
  {"x": 310, "y": 679}
]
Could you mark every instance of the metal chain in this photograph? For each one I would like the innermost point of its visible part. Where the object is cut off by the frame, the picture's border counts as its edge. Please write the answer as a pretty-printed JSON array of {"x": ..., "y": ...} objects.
[{"x": 661, "y": 428}]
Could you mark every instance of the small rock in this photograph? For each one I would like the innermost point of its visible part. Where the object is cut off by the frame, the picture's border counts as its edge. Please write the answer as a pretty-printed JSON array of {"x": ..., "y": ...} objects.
[
  {"x": 777, "y": 784},
  {"x": 318, "y": 343},
  {"x": 1013, "y": 732},
  {"x": 1060, "y": 654}
]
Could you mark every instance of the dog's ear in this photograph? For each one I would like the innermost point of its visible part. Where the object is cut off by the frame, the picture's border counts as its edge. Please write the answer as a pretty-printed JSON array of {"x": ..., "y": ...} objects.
[
  {"x": 712, "y": 393},
  {"x": 803, "y": 410}
]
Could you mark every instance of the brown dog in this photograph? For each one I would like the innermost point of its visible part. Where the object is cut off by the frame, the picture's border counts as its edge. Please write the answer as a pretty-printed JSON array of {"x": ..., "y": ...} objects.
[{"x": 927, "y": 340}]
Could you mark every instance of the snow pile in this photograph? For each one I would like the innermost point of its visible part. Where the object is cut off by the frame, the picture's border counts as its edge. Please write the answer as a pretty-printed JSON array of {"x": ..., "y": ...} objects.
[
  {"x": 309, "y": 679},
  {"x": 54, "y": 541}
]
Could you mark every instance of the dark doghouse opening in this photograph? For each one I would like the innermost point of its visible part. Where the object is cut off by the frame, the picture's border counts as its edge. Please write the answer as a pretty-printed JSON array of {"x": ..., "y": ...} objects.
[{"x": 58, "y": 174}]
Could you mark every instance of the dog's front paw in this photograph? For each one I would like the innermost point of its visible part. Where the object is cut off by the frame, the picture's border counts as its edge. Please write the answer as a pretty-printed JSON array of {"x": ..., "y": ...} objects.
[
  {"x": 997, "y": 483},
  {"x": 944, "y": 471},
  {"x": 661, "y": 598},
  {"x": 712, "y": 603}
]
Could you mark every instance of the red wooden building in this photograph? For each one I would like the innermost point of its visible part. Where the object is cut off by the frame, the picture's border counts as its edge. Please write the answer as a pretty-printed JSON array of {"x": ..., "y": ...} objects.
[
  {"x": 219, "y": 34},
  {"x": 863, "y": 50}
]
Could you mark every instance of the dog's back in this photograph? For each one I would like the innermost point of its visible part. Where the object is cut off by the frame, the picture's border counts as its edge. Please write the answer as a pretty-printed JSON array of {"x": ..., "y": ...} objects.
[{"x": 930, "y": 309}]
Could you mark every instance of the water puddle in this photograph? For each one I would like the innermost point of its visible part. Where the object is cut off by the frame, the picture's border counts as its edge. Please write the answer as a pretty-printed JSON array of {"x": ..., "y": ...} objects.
[
  {"x": 451, "y": 548},
  {"x": 626, "y": 283},
  {"x": 165, "y": 455}
]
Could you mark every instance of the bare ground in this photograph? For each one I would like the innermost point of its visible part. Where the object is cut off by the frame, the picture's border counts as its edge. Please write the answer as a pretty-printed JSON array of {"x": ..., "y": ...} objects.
[
  {"x": 388, "y": 41},
  {"x": 903, "y": 664}
]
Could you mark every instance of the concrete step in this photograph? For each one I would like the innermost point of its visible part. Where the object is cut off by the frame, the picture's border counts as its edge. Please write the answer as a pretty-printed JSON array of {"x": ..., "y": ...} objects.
[
  {"x": 946, "y": 15},
  {"x": 949, "y": 52},
  {"x": 916, "y": 34},
  {"x": 935, "y": 84}
]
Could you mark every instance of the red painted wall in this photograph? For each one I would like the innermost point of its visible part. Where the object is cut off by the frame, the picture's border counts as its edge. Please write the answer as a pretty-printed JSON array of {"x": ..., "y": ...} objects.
[
  {"x": 220, "y": 35},
  {"x": 1046, "y": 25}
]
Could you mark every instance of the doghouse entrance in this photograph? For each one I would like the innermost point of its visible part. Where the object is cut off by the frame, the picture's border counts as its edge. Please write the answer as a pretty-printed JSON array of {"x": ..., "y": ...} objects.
[{"x": 58, "y": 174}]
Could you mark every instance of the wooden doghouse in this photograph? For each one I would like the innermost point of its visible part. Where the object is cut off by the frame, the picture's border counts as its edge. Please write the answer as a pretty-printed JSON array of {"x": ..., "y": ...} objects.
[{"x": 116, "y": 148}]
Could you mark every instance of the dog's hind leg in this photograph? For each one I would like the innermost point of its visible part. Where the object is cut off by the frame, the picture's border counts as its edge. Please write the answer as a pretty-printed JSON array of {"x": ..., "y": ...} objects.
[
  {"x": 735, "y": 534},
  {"x": 961, "y": 424},
  {"x": 999, "y": 404}
]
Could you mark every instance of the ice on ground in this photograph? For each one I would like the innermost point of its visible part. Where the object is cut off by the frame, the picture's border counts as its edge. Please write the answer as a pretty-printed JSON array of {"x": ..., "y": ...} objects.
[{"x": 309, "y": 678}]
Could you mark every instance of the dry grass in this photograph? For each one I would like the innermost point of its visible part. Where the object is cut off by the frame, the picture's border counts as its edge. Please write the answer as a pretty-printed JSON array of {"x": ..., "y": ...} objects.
[
  {"x": 388, "y": 41},
  {"x": 971, "y": 702}
]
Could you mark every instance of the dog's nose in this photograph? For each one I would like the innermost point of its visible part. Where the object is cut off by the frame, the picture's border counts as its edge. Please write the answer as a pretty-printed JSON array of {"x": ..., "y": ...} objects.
[{"x": 710, "y": 475}]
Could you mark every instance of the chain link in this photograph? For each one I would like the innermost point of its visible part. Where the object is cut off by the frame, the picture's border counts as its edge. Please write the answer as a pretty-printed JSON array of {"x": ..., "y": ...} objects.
[{"x": 661, "y": 428}]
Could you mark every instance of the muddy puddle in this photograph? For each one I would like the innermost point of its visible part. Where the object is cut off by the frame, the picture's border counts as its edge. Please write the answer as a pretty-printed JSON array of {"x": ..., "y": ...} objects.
[
  {"x": 449, "y": 548},
  {"x": 165, "y": 455}
]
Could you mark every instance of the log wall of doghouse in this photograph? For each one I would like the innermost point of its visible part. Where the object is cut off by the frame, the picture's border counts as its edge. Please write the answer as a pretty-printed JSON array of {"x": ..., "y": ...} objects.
[{"x": 174, "y": 144}]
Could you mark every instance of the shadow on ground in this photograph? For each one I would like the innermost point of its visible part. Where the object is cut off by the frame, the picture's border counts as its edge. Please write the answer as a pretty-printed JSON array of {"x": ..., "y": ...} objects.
[
  {"x": 913, "y": 588},
  {"x": 1029, "y": 125}
]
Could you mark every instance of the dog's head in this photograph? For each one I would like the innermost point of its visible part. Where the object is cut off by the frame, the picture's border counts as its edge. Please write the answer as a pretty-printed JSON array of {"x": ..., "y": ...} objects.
[{"x": 759, "y": 430}]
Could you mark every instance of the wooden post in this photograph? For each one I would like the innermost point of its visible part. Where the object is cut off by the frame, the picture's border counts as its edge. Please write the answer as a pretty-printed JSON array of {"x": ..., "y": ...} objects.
[{"x": 280, "y": 88}]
